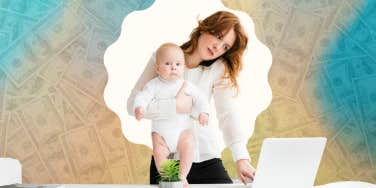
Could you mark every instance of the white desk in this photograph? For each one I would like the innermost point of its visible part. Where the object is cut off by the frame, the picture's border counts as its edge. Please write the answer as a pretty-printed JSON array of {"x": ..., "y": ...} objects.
[
  {"x": 155, "y": 186},
  {"x": 344, "y": 184}
]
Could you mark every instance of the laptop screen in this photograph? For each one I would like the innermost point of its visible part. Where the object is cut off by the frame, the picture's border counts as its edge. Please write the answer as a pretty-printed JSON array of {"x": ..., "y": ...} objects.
[{"x": 288, "y": 162}]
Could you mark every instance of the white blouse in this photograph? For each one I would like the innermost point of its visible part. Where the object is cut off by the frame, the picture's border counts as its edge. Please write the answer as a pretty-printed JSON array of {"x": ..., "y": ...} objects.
[{"x": 210, "y": 80}]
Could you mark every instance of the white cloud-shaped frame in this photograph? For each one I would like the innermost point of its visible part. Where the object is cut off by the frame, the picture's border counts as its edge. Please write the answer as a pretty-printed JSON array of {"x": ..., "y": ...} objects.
[{"x": 172, "y": 21}]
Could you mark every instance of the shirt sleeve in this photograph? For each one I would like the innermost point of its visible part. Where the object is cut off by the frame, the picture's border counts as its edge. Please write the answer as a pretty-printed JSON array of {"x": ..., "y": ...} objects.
[
  {"x": 144, "y": 97},
  {"x": 227, "y": 114},
  {"x": 157, "y": 109}
]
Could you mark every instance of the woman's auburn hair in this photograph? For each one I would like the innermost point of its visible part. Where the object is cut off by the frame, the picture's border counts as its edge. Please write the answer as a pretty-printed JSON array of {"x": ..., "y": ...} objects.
[{"x": 220, "y": 23}]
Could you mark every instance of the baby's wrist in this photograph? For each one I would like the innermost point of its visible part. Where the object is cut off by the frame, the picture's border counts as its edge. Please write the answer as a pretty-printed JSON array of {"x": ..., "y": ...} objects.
[{"x": 204, "y": 113}]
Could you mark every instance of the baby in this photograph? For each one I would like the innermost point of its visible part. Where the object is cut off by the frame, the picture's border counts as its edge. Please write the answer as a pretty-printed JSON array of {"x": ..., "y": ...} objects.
[{"x": 173, "y": 134}]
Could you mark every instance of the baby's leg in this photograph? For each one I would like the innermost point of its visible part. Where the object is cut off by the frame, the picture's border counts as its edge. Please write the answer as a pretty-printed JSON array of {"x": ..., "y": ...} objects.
[
  {"x": 160, "y": 149},
  {"x": 185, "y": 148}
]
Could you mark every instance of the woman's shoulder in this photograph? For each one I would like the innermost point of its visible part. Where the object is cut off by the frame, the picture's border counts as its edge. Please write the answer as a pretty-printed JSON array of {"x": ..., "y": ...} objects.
[
  {"x": 218, "y": 67},
  {"x": 153, "y": 57}
]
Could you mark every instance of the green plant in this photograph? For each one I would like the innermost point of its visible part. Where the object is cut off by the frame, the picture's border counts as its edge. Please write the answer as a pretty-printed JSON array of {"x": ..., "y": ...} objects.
[{"x": 169, "y": 171}]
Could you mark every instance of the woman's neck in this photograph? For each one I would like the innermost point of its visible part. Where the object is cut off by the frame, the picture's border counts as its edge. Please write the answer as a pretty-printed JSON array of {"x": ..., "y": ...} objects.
[{"x": 192, "y": 60}]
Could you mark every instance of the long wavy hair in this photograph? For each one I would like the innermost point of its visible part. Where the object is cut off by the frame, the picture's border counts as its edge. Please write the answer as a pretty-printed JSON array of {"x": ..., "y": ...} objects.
[{"x": 220, "y": 23}]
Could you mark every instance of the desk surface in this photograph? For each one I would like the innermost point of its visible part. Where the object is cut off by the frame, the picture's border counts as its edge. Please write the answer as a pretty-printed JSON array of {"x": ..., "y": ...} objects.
[
  {"x": 154, "y": 186},
  {"x": 123, "y": 186},
  {"x": 344, "y": 184}
]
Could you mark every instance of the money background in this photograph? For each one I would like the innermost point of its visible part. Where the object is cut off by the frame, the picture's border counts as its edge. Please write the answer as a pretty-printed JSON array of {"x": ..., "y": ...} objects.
[
  {"x": 323, "y": 80},
  {"x": 54, "y": 120}
]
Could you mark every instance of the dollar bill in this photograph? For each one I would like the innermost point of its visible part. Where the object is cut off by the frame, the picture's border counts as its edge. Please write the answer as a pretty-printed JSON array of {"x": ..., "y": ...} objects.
[
  {"x": 328, "y": 170},
  {"x": 273, "y": 24},
  {"x": 344, "y": 14},
  {"x": 328, "y": 12},
  {"x": 245, "y": 6},
  {"x": 287, "y": 115},
  {"x": 15, "y": 103},
  {"x": 315, "y": 93},
  {"x": 71, "y": 118},
  {"x": 283, "y": 6},
  {"x": 339, "y": 77},
  {"x": 15, "y": 25},
  {"x": 3, "y": 134},
  {"x": 78, "y": 100},
  {"x": 139, "y": 157},
  {"x": 50, "y": 3},
  {"x": 358, "y": 142},
  {"x": 14, "y": 123},
  {"x": 323, "y": 49},
  {"x": 366, "y": 97},
  {"x": 312, "y": 5},
  {"x": 57, "y": 66},
  {"x": 34, "y": 171},
  {"x": 366, "y": 175},
  {"x": 85, "y": 154},
  {"x": 111, "y": 13},
  {"x": 5, "y": 39},
  {"x": 303, "y": 30},
  {"x": 263, "y": 127},
  {"x": 313, "y": 129},
  {"x": 360, "y": 32},
  {"x": 39, "y": 47},
  {"x": 112, "y": 140},
  {"x": 19, "y": 144},
  {"x": 361, "y": 67},
  {"x": 340, "y": 154},
  {"x": 28, "y": 9},
  {"x": 122, "y": 174},
  {"x": 34, "y": 87},
  {"x": 287, "y": 73},
  {"x": 3, "y": 90},
  {"x": 99, "y": 41},
  {"x": 88, "y": 78},
  {"x": 107, "y": 177},
  {"x": 17, "y": 97},
  {"x": 41, "y": 119},
  {"x": 53, "y": 156}
]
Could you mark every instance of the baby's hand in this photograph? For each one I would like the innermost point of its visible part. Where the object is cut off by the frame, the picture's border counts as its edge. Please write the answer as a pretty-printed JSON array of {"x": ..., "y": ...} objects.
[
  {"x": 203, "y": 118},
  {"x": 139, "y": 112}
]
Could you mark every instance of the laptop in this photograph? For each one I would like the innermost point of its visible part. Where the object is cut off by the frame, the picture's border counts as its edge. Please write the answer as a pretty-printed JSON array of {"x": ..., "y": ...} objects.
[{"x": 288, "y": 162}]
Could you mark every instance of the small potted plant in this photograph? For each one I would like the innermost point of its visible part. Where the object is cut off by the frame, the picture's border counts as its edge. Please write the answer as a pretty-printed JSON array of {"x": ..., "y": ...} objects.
[{"x": 169, "y": 174}]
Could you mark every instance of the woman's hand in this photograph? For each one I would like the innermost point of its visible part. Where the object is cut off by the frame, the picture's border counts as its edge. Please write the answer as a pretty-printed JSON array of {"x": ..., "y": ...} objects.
[
  {"x": 183, "y": 101},
  {"x": 245, "y": 170}
]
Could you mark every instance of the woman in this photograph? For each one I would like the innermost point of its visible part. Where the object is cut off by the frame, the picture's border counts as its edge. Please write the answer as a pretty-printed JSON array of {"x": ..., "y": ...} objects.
[{"x": 213, "y": 58}]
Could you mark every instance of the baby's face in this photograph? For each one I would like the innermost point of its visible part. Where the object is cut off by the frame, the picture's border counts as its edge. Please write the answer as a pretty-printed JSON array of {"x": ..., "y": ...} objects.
[{"x": 170, "y": 64}]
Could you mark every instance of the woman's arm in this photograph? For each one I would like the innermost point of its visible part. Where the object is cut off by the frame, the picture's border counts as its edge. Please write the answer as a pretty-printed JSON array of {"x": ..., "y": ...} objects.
[
  {"x": 227, "y": 114},
  {"x": 160, "y": 109},
  {"x": 228, "y": 118}
]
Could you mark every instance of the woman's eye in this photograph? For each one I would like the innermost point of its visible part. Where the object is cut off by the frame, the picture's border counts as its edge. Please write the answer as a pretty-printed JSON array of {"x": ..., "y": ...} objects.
[
  {"x": 177, "y": 64},
  {"x": 226, "y": 47},
  {"x": 167, "y": 63},
  {"x": 218, "y": 36}
]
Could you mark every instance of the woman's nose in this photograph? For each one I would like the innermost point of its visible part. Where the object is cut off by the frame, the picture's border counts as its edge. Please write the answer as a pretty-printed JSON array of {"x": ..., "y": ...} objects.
[{"x": 216, "y": 46}]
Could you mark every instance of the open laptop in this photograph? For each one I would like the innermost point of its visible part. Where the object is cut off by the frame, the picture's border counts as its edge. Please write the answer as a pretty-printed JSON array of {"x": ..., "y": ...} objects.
[{"x": 288, "y": 162}]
